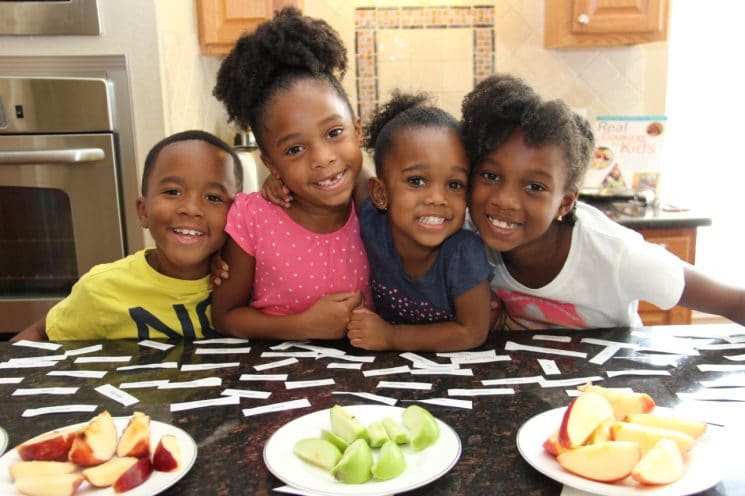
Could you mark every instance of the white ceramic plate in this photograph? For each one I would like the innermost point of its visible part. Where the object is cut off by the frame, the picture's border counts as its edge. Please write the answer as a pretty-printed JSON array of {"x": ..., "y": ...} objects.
[
  {"x": 705, "y": 463},
  {"x": 422, "y": 467},
  {"x": 157, "y": 482},
  {"x": 3, "y": 440}
]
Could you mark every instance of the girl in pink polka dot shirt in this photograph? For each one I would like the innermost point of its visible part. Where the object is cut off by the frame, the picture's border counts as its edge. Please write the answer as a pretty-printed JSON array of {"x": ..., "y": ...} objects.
[{"x": 297, "y": 272}]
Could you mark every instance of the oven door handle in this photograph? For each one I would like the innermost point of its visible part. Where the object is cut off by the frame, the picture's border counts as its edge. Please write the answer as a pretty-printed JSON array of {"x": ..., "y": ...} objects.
[{"x": 67, "y": 156}]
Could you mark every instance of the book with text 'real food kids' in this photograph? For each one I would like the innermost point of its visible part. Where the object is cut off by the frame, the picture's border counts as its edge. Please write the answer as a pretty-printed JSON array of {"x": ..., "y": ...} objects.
[{"x": 628, "y": 155}]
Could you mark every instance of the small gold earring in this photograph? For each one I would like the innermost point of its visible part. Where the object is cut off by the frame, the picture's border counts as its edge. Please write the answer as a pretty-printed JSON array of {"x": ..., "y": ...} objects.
[{"x": 559, "y": 218}]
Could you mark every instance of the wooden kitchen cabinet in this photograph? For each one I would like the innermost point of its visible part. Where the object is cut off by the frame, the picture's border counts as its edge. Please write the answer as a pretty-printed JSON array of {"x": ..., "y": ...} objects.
[
  {"x": 681, "y": 242},
  {"x": 585, "y": 23},
  {"x": 222, "y": 22}
]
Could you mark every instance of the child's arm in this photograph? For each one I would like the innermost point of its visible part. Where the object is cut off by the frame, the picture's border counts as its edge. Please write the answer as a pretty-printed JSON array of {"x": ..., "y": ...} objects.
[
  {"x": 35, "y": 332},
  {"x": 326, "y": 319},
  {"x": 275, "y": 191},
  {"x": 704, "y": 294},
  {"x": 469, "y": 329}
]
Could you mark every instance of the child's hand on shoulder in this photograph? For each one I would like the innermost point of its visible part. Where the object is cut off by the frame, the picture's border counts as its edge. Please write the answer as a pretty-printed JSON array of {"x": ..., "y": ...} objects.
[
  {"x": 329, "y": 315},
  {"x": 274, "y": 190},
  {"x": 219, "y": 270},
  {"x": 367, "y": 330}
]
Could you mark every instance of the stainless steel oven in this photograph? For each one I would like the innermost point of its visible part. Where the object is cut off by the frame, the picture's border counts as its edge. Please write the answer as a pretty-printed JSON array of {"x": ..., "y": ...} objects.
[
  {"x": 60, "y": 201},
  {"x": 44, "y": 17}
]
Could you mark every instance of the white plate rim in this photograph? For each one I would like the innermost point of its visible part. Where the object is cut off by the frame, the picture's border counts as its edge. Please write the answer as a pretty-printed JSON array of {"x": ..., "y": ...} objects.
[
  {"x": 540, "y": 426},
  {"x": 448, "y": 437},
  {"x": 158, "y": 481},
  {"x": 3, "y": 440}
]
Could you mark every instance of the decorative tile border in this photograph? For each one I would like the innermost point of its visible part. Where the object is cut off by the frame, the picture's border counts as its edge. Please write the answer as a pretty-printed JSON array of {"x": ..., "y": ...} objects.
[{"x": 368, "y": 20}]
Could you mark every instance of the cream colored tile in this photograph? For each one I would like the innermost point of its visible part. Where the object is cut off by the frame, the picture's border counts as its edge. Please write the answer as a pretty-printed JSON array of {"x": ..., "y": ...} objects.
[
  {"x": 394, "y": 44},
  {"x": 512, "y": 29},
  {"x": 427, "y": 76},
  {"x": 455, "y": 43},
  {"x": 392, "y": 75},
  {"x": 458, "y": 75},
  {"x": 451, "y": 102}
]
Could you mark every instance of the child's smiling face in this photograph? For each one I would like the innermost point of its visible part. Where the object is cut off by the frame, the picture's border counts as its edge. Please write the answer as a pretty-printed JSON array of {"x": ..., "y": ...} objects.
[
  {"x": 311, "y": 140},
  {"x": 517, "y": 192},
  {"x": 190, "y": 189},
  {"x": 423, "y": 185}
]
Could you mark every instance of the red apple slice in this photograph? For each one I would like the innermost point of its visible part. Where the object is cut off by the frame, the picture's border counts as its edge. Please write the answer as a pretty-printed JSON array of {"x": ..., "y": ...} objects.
[
  {"x": 647, "y": 436},
  {"x": 693, "y": 428},
  {"x": 96, "y": 443},
  {"x": 663, "y": 464},
  {"x": 135, "y": 440},
  {"x": 622, "y": 402},
  {"x": 106, "y": 474},
  {"x": 167, "y": 455},
  {"x": 609, "y": 461},
  {"x": 19, "y": 470},
  {"x": 552, "y": 445},
  {"x": 134, "y": 475},
  {"x": 583, "y": 415},
  {"x": 602, "y": 432},
  {"x": 52, "y": 446},
  {"x": 49, "y": 485}
]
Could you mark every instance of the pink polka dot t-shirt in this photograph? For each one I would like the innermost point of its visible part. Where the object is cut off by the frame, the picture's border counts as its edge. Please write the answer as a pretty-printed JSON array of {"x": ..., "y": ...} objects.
[{"x": 295, "y": 266}]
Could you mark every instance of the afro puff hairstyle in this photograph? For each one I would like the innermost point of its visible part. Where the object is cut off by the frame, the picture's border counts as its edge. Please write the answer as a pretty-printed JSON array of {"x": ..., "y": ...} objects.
[
  {"x": 280, "y": 52},
  {"x": 403, "y": 111},
  {"x": 503, "y": 103}
]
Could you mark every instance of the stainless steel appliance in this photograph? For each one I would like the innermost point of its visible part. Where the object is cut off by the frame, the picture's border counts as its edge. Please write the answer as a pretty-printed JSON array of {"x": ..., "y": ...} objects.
[
  {"x": 60, "y": 195},
  {"x": 58, "y": 17}
]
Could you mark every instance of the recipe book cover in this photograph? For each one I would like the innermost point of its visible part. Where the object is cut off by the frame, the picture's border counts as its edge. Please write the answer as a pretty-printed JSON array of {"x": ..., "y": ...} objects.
[{"x": 627, "y": 156}]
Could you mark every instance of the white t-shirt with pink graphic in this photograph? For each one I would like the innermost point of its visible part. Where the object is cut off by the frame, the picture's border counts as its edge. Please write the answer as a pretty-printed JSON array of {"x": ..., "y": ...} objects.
[
  {"x": 608, "y": 270},
  {"x": 295, "y": 266}
]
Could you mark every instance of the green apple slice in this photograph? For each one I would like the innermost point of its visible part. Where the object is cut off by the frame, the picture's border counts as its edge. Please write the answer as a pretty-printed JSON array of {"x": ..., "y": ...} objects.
[
  {"x": 334, "y": 439},
  {"x": 355, "y": 464},
  {"x": 377, "y": 433},
  {"x": 395, "y": 431},
  {"x": 391, "y": 462},
  {"x": 346, "y": 426},
  {"x": 319, "y": 452},
  {"x": 422, "y": 426}
]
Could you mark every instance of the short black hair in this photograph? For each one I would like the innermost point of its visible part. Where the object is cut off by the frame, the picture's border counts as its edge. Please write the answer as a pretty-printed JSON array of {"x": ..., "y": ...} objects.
[
  {"x": 193, "y": 134},
  {"x": 502, "y": 103},
  {"x": 288, "y": 48},
  {"x": 403, "y": 111}
]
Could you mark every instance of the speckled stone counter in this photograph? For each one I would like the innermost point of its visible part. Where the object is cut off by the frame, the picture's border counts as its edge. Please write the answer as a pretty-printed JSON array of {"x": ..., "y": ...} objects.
[
  {"x": 230, "y": 461},
  {"x": 636, "y": 215}
]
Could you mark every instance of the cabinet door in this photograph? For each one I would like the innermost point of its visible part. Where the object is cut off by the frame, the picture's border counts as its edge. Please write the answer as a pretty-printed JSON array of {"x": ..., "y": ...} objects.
[{"x": 604, "y": 22}]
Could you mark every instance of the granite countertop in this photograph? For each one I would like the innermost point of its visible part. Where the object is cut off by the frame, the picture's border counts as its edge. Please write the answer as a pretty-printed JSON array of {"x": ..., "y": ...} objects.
[{"x": 638, "y": 215}]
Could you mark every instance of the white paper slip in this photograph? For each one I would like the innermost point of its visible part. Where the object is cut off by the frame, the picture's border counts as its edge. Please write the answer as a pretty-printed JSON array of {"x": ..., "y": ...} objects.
[
  {"x": 223, "y": 351},
  {"x": 452, "y": 402},
  {"x": 658, "y": 360},
  {"x": 33, "y": 412},
  {"x": 735, "y": 358},
  {"x": 83, "y": 374},
  {"x": 403, "y": 369},
  {"x": 604, "y": 355},
  {"x": 10, "y": 380},
  {"x": 512, "y": 380},
  {"x": 424, "y": 386},
  {"x": 351, "y": 358},
  {"x": 546, "y": 383},
  {"x": 295, "y": 491},
  {"x": 727, "y": 381},
  {"x": 46, "y": 358},
  {"x": 471, "y": 357},
  {"x": 286, "y": 345},
  {"x": 290, "y": 354},
  {"x": 246, "y": 393},
  {"x": 466, "y": 372},
  {"x": 616, "y": 373},
  {"x": 350, "y": 366},
  {"x": 117, "y": 394},
  {"x": 512, "y": 346},
  {"x": 206, "y": 382},
  {"x": 730, "y": 346},
  {"x": 26, "y": 365},
  {"x": 191, "y": 367},
  {"x": 158, "y": 345},
  {"x": 163, "y": 365},
  {"x": 321, "y": 350},
  {"x": 476, "y": 360},
  {"x": 425, "y": 363},
  {"x": 605, "y": 342},
  {"x": 191, "y": 405},
  {"x": 713, "y": 367},
  {"x": 550, "y": 337},
  {"x": 370, "y": 396},
  {"x": 84, "y": 350},
  {"x": 45, "y": 390},
  {"x": 221, "y": 341},
  {"x": 263, "y": 377},
  {"x": 672, "y": 348},
  {"x": 143, "y": 384},
  {"x": 41, "y": 345},
  {"x": 305, "y": 384},
  {"x": 716, "y": 394},
  {"x": 278, "y": 363},
  {"x": 480, "y": 392},
  {"x": 103, "y": 359},
  {"x": 549, "y": 366},
  {"x": 277, "y": 407}
]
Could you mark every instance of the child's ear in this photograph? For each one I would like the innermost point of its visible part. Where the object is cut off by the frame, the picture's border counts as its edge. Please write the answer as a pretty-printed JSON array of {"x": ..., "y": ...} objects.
[
  {"x": 377, "y": 192},
  {"x": 358, "y": 130},
  {"x": 142, "y": 212},
  {"x": 567, "y": 203},
  {"x": 269, "y": 166}
]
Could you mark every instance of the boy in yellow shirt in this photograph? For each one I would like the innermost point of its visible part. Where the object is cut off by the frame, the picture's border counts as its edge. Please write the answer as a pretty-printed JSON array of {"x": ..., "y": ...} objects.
[{"x": 188, "y": 183}]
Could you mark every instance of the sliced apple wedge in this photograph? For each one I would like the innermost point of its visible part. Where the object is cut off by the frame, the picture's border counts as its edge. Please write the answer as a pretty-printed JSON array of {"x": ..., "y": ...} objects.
[
  {"x": 319, "y": 452},
  {"x": 106, "y": 474},
  {"x": 693, "y": 428},
  {"x": 602, "y": 432},
  {"x": 135, "y": 440},
  {"x": 19, "y": 470},
  {"x": 52, "y": 446},
  {"x": 135, "y": 475},
  {"x": 345, "y": 425},
  {"x": 421, "y": 425},
  {"x": 96, "y": 443},
  {"x": 49, "y": 485},
  {"x": 663, "y": 464},
  {"x": 609, "y": 461},
  {"x": 647, "y": 436},
  {"x": 622, "y": 402},
  {"x": 167, "y": 455},
  {"x": 583, "y": 415}
]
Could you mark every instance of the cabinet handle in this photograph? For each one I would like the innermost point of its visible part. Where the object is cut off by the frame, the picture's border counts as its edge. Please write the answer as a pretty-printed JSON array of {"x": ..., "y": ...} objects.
[{"x": 583, "y": 19}]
